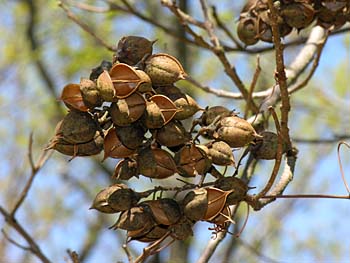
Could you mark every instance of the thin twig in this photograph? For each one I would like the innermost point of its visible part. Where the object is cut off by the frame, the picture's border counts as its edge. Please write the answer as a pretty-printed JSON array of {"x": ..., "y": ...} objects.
[
  {"x": 13, "y": 241},
  {"x": 252, "y": 87},
  {"x": 45, "y": 155},
  {"x": 335, "y": 139},
  {"x": 85, "y": 27},
  {"x": 341, "y": 166}
]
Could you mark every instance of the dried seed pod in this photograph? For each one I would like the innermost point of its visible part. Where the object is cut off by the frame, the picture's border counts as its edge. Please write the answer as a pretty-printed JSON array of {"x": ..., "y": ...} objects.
[
  {"x": 173, "y": 134},
  {"x": 221, "y": 153},
  {"x": 159, "y": 111},
  {"x": 223, "y": 218},
  {"x": 95, "y": 72},
  {"x": 165, "y": 211},
  {"x": 238, "y": 189},
  {"x": 89, "y": 148},
  {"x": 164, "y": 69},
  {"x": 212, "y": 113},
  {"x": 204, "y": 203},
  {"x": 266, "y": 148},
  {"x": 247, "y": 30},
  {"x": 105, "y": 86},
  {"x": 195, "y": 204},
  {"x": 115, "y": 198},
  {"x": 125, "y": 169},
  {"x": 128, "y": 110},
  {"x": 113, "y": 147},
  {"x": 185, "y": 104},
  {"x": 131, "y": 136},
  {"x": 78, "y": 127},
  {"x": 136, "y": 219},
  {"x": 90, "y": 94},
  {"x": 145, "y": 85},
  {"x": 154, "y": 234},
  {"x": 192, "y": 160},
  {"x": 125, "y": 80},
  {"x": 235, "y": 131},
  {"x": 298, "y": 15},
  {"x": 132, "y": 49},
  {"x": 72, "y": 98},
  {"x": 156, "y": 163},
  {"x": 182, "y": 229}
]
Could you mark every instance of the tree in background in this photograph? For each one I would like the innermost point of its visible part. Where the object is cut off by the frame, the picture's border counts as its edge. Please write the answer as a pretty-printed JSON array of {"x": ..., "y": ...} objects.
[{"x": 226, "y": 52}]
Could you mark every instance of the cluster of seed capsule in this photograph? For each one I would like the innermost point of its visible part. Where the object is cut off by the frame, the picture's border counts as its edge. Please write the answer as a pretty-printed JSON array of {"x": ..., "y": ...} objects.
[
  {"x": 255, "y": 21},
  {"x": 131, "y": 109}
]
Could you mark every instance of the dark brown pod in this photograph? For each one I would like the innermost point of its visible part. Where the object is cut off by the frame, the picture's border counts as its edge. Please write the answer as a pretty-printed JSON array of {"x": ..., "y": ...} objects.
[
  {"x": 212, "y": 113},
  {"x": 90, "y": 94},
  {"x": 89, "y": 148},
  {"x": 113, "y": 147},
  {"x": 298, "y": 15},
  {"x": 164, "y": 69},
  {"x": 238, "y": 189},
  {"x": 166, "y": 106},
  {"x": 72, "y": 98},
  {"x": 220, "y": 153},
  {"x": 135, "y": 219},
  {"x": 247, "y": 30},
  {"x": 78, "y": 127},
  {"x": 266, "y": 148},
  {"x": 182, "y": 229},
  {"x": 125, "y": 169},
  {"x": 128, "y": 110},
  {"x": 95, "y": 72},
  {"x": 192, "y": 160},
  {"x": 100, "y": 202},
  {"x": 165, "y": 211},
  {"x": 235, "y": 131},
  {"x": 172, "y": 134},
  {"x": 156, "y": 163},
  {"x": 131, "y": 136},
  {"x": 132, "y": 49},
  {"x": 216, "y": 202},
  {"x": 154, "y": 234}
]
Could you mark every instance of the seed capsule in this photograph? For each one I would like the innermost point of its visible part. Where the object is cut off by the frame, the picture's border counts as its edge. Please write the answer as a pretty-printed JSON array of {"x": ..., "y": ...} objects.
[
  {"x": 212, "y": 113},
  {"x": 173, "y": 134},
  {"x": 298, "y": 15},
  {"x": 165, "y": 211},
  {"x": 266, "y": 148},
  {"x": 221, "y": 153},
  {"x": 238, "y": 189},
  {"x": 154, "y": 234},
  {"x": 105, "y": 86},
  {"x": 132, "y": 49},
  {"x": 95, "y": 72},
  {"x": 164, "y": 69},
  {"x": 113, "y": 147},
  {"x": 125, "y": 169},
  {"x": 156, "y": 163},
  {"x": 72, "y": 97},
  {"x": 247, "y": 30},
  {"x": 131, "y": 136},
  {"x": 90, "y": 94}
]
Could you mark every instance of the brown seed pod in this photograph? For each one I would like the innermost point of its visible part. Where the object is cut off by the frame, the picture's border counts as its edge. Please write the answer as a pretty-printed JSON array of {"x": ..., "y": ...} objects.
[
  {"x": 266, "y": 148},
  {"x": 89, "y": 148},
  {"x": 136, "y": 219},
  {"x": 125, "y": 169},
  {"x": 95, "y": 72},
  {"x": 78, "y": 127},
  {"x": 156, "y": 163},
  {"x": 235, "y": 131},
  {"x": 115, "y": 198},
  {"x": 105, "y": 86},
  {"x": 164, "y": 69},
  {"x": 221, "y": 153},
  {"x": 195, "y": 204},
  {"x": 298, "y": 15},
  {"x": 247, "y": 30},
  {"x": 166, "y": 106},
  {"x": 131, "y": 136},
  {"x": 185, "y": 104},
  {"x": 113, "y": 147},
  {"x": 223, "y": 218},
  {"x": 182, "y": 229},
  {"x": 216, "y": 202},
  {"x": 154, "y": 234},
  {"x": 212, "y": 113},
  {"x": 90, "y": 94},
  {"x": 238, "y": 189},
  {"x": 145, "y": 85},
  {"x": 72, "y": 98},
  {"x": 125, "y": 80},
  {"x": 132, "y": 49},
  {"x": 192, "y": 160},
  {"x": 173, "y": 134},
  {"x": 165, "y": 211},
  {"x": 128, "y": 110}
]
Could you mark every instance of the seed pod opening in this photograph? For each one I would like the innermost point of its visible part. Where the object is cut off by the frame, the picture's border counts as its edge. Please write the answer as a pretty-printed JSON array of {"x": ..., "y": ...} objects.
[
  {"x": 72, "y": 97},
  {"x": 164, "y": 69},
  {"x": 125, "y": 169},
  {"x": 212, "y": 113},
  {"x": 195, "y": 204},
  {"x": 113, "y": 147},
  {"x": 128, "y": 110},
  {"x": 100, "y": 202},
  {"x": 237, "y": 188}
]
